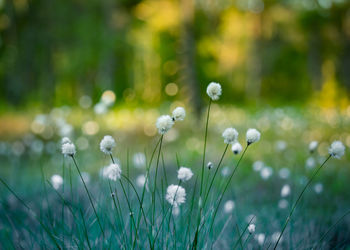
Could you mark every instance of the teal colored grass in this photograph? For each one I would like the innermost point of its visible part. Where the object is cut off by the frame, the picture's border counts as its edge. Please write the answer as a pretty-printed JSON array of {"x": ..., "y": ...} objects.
[{"x": 64, "y": 218}]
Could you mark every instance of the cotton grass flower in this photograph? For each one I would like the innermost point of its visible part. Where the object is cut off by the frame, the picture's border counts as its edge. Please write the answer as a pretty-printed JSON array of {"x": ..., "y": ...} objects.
[
  {"x": 139, "y": 160},
  {"x": 230, "y": 135},
  {"x": 285, "y": 191},
  {"x": 252, "y": 135},
  {"x": 337, "y": 149},
  {"x": 258, "y": 165},
  {"x": 65, "y": 140},
  {"x": 175, "y": 195},
  {"x": 251, "y": 228},
  {"x": 214, "y": 91},
  {"x": 313, "y": 146},
  {"x": 229, "y": 206},
  {"x": 68, "y": 149},
  {"x": 284, "y": 173},
  {"x": 266, "y": 173},
  {"x": 210, "y": 165},
  {"x": 179, "y": 114},
  {"x": 164, "y": 123},
  {"x": 56, "y": 181},
  {"x": 111, "y": 172},
  {"x": 260, "y": 238},
  {"x": 310, "y": 163},
  {"x": 184, "y": 174},
  {"x": 107, "y": 144},
  {"x": 236, "y": 148},
  {"x": 318, "y": 188}
]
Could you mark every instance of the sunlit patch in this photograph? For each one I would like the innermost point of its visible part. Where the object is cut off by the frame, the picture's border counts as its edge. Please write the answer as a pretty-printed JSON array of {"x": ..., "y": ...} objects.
[
  {"x": 82, "y": 143},
  {"x": 108, "y": 97},
  {"x": 149, "y": 130},
  {"x": 85, "y": 101},
  {"x": 90, "y": 128}
]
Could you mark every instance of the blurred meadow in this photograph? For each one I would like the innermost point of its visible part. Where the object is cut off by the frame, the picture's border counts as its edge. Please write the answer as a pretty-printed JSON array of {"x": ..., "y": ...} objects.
[{"x": 86, "y": 69}]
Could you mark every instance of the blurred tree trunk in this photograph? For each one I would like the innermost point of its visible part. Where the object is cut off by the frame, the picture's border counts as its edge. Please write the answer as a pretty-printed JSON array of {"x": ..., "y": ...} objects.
[
  {"x": 314, "y": 60},
  {"x": 254, "y": 71},
  {"x": 188, "y": 51}
]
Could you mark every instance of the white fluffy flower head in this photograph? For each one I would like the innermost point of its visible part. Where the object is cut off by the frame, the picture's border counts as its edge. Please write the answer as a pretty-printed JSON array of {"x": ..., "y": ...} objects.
[
  {"x": 251, "y": 228},
  {"x": 337, "y": 149},
  {"x": 112, "y": 172},
  {"x": 179, "y": 114},
  {"x": 236, "y": 148},
  {"x": 68, "y": 149},
  {"x": 285, "y": 191},
  {"x": 214, "y": 91},
  {"x": 229, "y": 206},
  {"x": 164, "y": 123},
  {"x": 313, "y": 146},
  {"x": 210, "y": 165},
  {"x": 56, "y": 181},
  {"x": 107, "y": 144},
  {"x": 175, "y": 195},
  {"x": 252, "y": 135},
  {"x": 184, "y": 174},
  {"x": 65, "y": 140},
  {"x": 230, "y": 135}
]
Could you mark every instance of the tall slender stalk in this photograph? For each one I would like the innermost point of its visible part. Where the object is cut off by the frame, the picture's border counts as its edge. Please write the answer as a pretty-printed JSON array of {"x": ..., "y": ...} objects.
[
  {"x": 215, "y": 173},
  {"x": 226, "y": 186},
  {"x": 330, "y": 229},
  {"x": 90, "y": 199},
  {"x": 204, "y": 148},
  {"x": 146, "y": 181},
  {"x": 52, "y": 237},
  {"x": 155, "y": 181},
  {"x": 298, "y": 199}
]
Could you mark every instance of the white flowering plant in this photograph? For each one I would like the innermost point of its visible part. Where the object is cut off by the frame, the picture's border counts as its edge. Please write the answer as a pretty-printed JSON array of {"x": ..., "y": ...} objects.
[{"x": 184, "y": 190}]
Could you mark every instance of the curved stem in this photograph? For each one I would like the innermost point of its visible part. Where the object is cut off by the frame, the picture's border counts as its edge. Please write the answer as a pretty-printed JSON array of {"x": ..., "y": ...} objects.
[
  {"x": 227, "y": 184},
  {"x": 205, "y": 147},
  {"x": 331, "y": 228},
  {"x": 216, "y": 171},
  {"x": 52, "y": 237},
  {"x": 155, "y": 181},
  {"x": 297, "y": 201},
  {"x": 90, "y": 199}
]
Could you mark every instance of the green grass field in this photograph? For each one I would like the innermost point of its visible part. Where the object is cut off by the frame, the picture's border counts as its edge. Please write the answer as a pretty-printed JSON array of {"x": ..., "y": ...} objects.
[{"x": 45, "y": 212}]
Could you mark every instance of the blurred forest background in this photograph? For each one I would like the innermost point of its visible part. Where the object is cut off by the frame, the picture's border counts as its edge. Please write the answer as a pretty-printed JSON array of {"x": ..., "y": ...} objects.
[{"x": 263, "y": 52}]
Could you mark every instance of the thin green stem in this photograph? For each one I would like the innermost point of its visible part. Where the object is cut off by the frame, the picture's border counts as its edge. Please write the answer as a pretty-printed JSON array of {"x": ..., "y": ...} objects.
[
  {"x": 297, "y": 201},
  {"x": 240, "y": 237},
  {"x": 215, "y": 173},
  {"x": 88, "y": 193},
  {"x": 52, "y": 237},
  {"x": 204, "y": 148},
  {"x": 146, "y": 181},
  {"x": 331, "y": 228},
  {"x": 227, "y": 184},
  {"x": 155, "y": 182}
]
